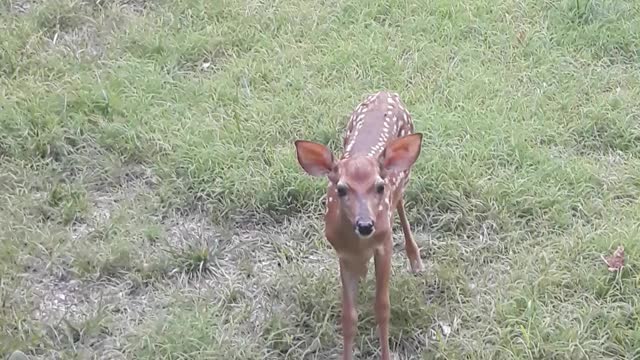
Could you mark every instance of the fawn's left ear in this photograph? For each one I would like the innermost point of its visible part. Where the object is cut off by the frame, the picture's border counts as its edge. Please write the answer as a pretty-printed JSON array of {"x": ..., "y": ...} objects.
[
  {"x": 402, "y": 153},
  {"x": 316, "y": 159}
]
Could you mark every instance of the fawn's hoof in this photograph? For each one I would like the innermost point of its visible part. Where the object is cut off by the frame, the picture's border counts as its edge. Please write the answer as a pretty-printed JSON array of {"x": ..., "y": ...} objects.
[{"x": 416, "y": 266}]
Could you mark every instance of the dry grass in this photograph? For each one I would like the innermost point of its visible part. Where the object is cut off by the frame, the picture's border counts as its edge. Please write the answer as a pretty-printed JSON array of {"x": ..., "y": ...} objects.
[{"x": 151, "y": 206}]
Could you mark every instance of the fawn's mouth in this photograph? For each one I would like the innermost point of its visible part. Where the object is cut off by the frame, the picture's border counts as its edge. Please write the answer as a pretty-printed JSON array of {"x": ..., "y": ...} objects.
[{"x": 364, "y": 232}]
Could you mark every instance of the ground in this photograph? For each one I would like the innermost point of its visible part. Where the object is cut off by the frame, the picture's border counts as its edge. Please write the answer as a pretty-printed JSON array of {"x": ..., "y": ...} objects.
[{"x": 151, "y": 206}]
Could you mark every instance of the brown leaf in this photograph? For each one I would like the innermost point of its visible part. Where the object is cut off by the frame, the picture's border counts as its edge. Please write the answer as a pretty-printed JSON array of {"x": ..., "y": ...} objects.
[{"x": 615, "y": 262}]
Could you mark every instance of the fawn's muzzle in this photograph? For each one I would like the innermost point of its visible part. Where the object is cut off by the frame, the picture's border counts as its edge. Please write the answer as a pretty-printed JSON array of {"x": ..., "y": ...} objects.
[{"x": 364, "y": 228}]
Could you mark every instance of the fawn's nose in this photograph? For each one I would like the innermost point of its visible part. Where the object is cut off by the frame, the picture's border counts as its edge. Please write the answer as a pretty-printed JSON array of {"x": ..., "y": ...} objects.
[{"x": 364, "y": 227}]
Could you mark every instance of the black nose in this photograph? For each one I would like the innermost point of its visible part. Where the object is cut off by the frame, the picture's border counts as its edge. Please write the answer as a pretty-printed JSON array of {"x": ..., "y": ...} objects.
[{"x": 365, "y": 227}]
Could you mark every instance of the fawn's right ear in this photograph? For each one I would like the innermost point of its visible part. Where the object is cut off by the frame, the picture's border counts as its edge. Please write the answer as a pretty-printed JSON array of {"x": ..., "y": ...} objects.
[{"x": 316, "y": 159}]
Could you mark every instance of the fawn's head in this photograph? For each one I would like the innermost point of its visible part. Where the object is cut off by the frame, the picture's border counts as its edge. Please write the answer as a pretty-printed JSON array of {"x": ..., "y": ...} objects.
[{"x": 360, "y": 180}]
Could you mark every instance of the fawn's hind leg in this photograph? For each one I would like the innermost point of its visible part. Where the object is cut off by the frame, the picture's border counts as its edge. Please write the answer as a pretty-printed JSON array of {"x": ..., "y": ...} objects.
[{"x": 410, "y": 246}]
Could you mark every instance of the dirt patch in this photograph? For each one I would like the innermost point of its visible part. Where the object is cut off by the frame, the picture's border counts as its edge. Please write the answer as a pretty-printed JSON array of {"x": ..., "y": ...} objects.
[
  {"x": 82, "y": 43},
  {"x": 92, "y": 318}
]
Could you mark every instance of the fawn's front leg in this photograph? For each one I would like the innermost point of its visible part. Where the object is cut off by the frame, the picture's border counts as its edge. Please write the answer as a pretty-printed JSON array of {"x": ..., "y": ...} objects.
[
  {"x": 350, "y": 280},
  {"x": 382, "y": 258}
]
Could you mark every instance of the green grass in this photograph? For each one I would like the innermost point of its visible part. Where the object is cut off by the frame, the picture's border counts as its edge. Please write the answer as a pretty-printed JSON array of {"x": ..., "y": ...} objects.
[{"x": 151, "y": 206}]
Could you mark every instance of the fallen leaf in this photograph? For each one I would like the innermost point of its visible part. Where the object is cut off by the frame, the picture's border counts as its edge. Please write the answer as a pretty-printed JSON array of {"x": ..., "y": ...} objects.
[
  {"x": 615, "y": 262},
  {"x": 446, "y": 329}
]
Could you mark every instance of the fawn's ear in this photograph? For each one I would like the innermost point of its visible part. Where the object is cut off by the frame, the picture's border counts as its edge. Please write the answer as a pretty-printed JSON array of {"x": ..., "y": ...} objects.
[
  {"x": 316, "y": 159},
  {"x": 401, "y": 153}
]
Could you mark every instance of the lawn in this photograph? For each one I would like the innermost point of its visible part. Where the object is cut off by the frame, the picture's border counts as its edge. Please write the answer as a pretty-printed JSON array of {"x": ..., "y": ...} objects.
[{"x": 151, "y": 206}]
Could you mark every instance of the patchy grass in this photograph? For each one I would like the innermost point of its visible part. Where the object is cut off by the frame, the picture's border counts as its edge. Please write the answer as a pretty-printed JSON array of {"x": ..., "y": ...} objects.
[{"x": 152, "y": 206}]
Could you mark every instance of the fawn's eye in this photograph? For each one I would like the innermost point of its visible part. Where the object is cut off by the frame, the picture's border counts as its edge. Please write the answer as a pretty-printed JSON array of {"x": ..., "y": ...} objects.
[
  {"x": 342, "y": 190},
  {"x": 380, "y": 187}
]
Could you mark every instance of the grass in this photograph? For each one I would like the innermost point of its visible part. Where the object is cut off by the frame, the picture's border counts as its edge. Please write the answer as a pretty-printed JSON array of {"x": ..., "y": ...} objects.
[{"x": 152, "y": 206}]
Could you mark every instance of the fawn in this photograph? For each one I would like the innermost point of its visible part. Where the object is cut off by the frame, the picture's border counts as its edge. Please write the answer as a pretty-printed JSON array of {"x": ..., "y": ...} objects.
[{"x": 365, "y": 187}]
